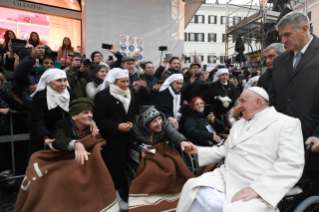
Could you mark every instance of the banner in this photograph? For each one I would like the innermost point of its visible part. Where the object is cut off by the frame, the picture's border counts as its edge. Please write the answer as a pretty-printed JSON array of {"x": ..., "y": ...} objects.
[{"x": 131, "y": 45}]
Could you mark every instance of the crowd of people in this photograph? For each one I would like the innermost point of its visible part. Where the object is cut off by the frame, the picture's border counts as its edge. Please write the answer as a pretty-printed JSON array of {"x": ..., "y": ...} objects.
[{"x": 127, "y": 101}]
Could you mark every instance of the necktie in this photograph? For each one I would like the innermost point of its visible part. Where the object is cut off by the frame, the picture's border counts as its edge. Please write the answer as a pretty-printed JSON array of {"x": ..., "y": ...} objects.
[{"x": 298, "y": 57}]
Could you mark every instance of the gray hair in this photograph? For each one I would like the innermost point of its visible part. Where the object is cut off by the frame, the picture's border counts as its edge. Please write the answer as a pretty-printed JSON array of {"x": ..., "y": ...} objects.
[
  {"x": 297, "y": 19},
  {"x": 279, "y": 48},
  {"x": 255, "y": 96}
]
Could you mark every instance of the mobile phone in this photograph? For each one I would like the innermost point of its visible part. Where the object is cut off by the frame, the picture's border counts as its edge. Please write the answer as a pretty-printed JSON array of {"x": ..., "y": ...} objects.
[
  {"x": 142, "y": 77},
  {"x": 110, "y": 58},
  {"x": 71, "y": 53},
  {"x": 106, "y": 46},
  {"x": 57, "y": 65},
  {"x": 7, "y": 88},
  {"x": 198, "y": 75},
  {"x": 168, "y": 56},
  {"x": 18, "y": 45}
]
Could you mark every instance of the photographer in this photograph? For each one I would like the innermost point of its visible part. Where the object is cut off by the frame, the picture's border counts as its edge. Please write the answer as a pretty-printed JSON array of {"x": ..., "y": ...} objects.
[
  {"x": 27, "y": 74},
  {"x": 79, "y": 77}
]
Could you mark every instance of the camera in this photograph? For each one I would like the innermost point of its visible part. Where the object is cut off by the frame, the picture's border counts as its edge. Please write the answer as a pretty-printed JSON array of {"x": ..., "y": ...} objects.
[{"x": 162, "y": 48}]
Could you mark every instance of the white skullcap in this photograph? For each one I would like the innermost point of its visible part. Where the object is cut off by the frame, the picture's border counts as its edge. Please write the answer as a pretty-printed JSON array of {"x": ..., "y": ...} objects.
[
  {"x": 49, "y": 76},
  {"x": 114, "y": 74},
  {"x": 219, "y": 72},
  {"x": 170, "y": 80},
  {"x": 260, "y": 91},
  {"x": 251, "y": 82}
]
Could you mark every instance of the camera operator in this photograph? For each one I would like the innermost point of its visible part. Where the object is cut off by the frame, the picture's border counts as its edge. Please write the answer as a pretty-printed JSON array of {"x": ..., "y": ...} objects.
[
  {"x": 27, "y": 74},
  {"x": 79, "y": 76}
]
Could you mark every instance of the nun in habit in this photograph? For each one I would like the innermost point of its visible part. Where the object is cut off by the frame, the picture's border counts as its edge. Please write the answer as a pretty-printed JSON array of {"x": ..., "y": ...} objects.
[
  {"x": 169, "y": 99},
  {"x": 114, "y": 115},
  {"x": 252, "y": 82}
]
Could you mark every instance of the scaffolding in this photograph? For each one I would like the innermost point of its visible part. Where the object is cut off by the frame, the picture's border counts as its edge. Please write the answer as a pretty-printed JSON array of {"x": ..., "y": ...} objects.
[{"x": 250, "y": 29}]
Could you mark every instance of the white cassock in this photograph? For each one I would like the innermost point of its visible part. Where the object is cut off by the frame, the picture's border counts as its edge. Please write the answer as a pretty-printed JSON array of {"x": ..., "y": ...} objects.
[{"x": 268, "y": 156}]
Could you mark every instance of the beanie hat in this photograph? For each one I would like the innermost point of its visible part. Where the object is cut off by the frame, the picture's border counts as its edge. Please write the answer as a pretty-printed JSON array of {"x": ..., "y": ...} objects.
[
  {"x": 79, "y": 105},
  {"x": 94, "y": 53},
  {"x": 150, "y": 114}
]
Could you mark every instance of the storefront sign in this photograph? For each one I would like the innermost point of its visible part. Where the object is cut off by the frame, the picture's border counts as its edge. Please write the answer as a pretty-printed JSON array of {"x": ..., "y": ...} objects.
[
  {"x": 41, "y": 8},
  {"x": 27, "y": 5}
]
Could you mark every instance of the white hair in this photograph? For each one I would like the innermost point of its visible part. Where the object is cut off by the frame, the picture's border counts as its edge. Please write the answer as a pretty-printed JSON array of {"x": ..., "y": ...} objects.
[{"x": 297, "y": 19}]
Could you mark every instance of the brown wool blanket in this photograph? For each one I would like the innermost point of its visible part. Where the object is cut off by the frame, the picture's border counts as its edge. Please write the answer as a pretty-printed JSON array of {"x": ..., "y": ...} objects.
[
  {"x": 55, "y": 182},
  {"x": 159, "y": 181}
]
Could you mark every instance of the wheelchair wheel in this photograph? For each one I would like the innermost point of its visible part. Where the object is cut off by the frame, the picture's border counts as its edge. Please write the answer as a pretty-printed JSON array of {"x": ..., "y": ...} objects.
[
  {"x": 311, "y": 204},
  {"x": 190, "y": 162}
]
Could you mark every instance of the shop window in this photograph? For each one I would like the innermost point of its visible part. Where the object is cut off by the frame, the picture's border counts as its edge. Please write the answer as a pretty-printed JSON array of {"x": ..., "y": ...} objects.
[{"x": 67, "y": 4}]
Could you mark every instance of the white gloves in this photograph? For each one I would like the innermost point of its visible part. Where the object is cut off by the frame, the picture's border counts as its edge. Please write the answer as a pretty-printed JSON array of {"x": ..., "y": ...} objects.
[{"x": 225, "y": 101}]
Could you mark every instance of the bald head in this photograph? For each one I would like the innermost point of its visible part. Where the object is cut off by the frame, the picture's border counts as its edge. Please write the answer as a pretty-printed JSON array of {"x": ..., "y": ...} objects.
[{"x": 251, "y": 103}]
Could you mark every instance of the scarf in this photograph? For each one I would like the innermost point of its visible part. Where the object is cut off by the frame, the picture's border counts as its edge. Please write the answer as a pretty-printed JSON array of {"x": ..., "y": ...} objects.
[
  {"x": 176, "y": 101},
  {"x": 36, "y": 70},
  {"x": 122, "y": 96},
  {"x": 55, "y": 99},
  {"x": 97, "y": 81}
]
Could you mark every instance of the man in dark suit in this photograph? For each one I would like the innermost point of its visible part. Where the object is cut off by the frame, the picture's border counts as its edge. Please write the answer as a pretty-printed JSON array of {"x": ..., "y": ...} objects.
[
  {"x": 270, "y": 53},
  {"x": 294, "y": 87}
]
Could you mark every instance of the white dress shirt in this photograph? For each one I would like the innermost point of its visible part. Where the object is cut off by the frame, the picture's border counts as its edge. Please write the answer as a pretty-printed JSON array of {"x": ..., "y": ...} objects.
[{"x": 303, "y": 50}]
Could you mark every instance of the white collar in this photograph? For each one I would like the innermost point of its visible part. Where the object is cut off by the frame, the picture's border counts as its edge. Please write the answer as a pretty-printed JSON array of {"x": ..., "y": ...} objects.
[
  {"x": 303, "y": 50},
  {"x": 255, "y": 117},
  {"x": 223, "y": 83}
]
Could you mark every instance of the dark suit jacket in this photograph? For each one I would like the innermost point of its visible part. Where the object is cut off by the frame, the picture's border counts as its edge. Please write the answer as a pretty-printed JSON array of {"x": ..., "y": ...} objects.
[
  {"x": 296, "y": 93},
  {"x": 265, "y": 79}
]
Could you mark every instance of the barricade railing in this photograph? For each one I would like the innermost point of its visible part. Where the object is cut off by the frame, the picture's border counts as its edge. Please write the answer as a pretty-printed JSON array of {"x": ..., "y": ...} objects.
[{"x": 14, "y": 138}]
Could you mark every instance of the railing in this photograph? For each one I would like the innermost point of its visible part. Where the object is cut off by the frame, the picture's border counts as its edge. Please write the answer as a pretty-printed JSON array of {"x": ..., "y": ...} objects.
[{"x": 14, "y": 138}]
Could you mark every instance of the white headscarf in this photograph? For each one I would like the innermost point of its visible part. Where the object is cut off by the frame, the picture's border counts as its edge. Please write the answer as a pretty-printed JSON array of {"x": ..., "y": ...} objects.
[
  {"x": 123, "y": 96},
  {"x": 251, "y": 82},
  {"x": 176, "y": 97},
  {"x": 54, "y": 98},
  {"x": 219, "y": 72}
]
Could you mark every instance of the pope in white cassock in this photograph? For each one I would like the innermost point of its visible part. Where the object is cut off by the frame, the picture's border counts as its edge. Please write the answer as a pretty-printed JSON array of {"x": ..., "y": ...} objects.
[{"x": 264, "y": 159}]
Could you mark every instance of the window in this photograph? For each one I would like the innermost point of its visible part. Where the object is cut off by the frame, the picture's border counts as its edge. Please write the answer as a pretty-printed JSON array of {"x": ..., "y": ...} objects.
[
  {"x": 198, "y": 19},
  {"x": 212, "y": 19},
  {"x": 309, "y": 15},
  {"x": 222, "y": 19},
  {"x": 212, "y": 37},
  {"x": 222, "y": 59},
  {"x": 236, "y": 20},
  {"x": 224, "y": 38},
  {"x": 185, "y": 36},
  {"x": 192, "y": 58},
  {"x": 211, "y": 59},
  {"x": 196, "y": 37}
]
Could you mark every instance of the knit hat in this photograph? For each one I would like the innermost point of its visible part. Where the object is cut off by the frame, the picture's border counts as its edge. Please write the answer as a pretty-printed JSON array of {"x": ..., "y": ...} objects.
[
  {"x": 94, "y": 53},
  {"x": 125, "y": 59},
  {"x": 149, "y": 115},
  {"x": 79, "y": 105}
]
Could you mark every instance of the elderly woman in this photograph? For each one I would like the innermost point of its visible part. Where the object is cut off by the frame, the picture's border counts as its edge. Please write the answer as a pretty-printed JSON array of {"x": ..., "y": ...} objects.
[
  {"x": 114, "y": 115},
  {"x": 222, "y": 94},
  {"x": 169, "y": 99},
  {"x": 50, "y": 104},
  {"x": 252, "y": 82},
  {"x": 202, "y": 130},
  {"x": 92, "y": 88}
]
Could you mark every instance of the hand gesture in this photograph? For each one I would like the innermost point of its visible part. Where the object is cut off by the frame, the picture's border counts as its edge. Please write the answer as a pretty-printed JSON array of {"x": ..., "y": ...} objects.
[
  {"x": 173, "y": 122},
  {"x": 125, "y": 127},
  {"x": 190, "y": 148},
  {"x": 245, "y": 194},
  {"x": 192, "y": 79},
  {"x": 49, "y": 143},
  {"x": 143, "y": 154},
  {"x": 37, "y": 52},
  {"x": 5, "y": 111},
  {"x": 94, "y": 129},
  {"x": 315, "y": 141},
  {"x": 164, "y": 62},
  {"x": 33, "y": 88},
  {"x": 29, "y": 46},
  {"x": 142, "y": 84},
  {"x": 112, "y": 50},
  {"x": 156, "y": 87},
  {"x": 80, "y": 153},
  {"x": 211, "y": 117},
  {"x": 203, "y": 78},
  {"x": 136, "y": 86},
  {"x": 182, "y": 58},
  {"x": 217, "y": 138}
]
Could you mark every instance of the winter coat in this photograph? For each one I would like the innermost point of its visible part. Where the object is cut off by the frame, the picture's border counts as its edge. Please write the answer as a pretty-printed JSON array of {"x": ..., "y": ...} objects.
[
  {"x": 42, "y": 120},
  {"x": 195, "y": 89},
  {"x": 142, "y": 133},
  {"x": 78, "y": 81},
  {"x": 196, "y": 131},
  {"x": 151, "y": 81},
  {"x": 264, "y": 80},
  {"x": 164, "y": 103},
  {"x": 141, "y": 95},
  {"x": 64, "y": 58},
  {"x": 92, "y": 90}
]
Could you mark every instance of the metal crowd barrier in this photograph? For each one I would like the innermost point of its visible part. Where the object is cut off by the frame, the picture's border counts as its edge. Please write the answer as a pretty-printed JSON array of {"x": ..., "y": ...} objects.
[{"x": 13, "y": 138}]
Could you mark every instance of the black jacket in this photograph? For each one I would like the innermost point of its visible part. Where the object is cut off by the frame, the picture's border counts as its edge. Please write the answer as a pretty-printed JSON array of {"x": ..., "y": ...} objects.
[
  {"x": 296, "y": 92},
  {"x": 218, "y": 89},
  {"x": 195, "y": 89},
  {"x": 265, "y": 79},
  {"x": 196, "y": 131},
  {"x": 164, "y": 103},
  {"x": 151, "y": 81},
  {"x": 141, "y": 95},
  {"x": 42, "y": 121}
]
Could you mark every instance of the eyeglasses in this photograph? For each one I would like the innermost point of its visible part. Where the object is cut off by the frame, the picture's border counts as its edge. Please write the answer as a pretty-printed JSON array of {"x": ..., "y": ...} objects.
[
  {"x": 179, "y": 83},
  {"x": 98, "y": 55},
  {"x": 199, "y": 103},
  {"x": 46, "y": 63},
  {"x": 77, "y": 59}
]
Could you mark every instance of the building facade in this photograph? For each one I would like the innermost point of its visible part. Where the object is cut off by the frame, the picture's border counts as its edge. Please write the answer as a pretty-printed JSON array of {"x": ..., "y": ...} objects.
[{"x": 205, "y": 34}]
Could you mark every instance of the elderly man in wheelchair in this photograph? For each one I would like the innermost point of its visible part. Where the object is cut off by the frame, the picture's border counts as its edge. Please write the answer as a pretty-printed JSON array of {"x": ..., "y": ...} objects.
[
  {"x": 264, "y": 160},
  {"x": 161, "y": 172}
]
